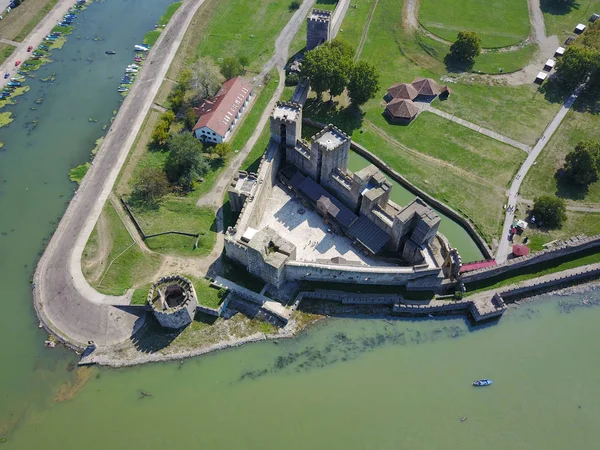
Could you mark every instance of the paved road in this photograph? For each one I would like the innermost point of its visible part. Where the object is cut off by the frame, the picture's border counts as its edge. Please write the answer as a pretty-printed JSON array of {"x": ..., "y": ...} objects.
[
  {"x": 64, "y": 301},
  {"x": 34, "y": 38},
  {"x": 505, "y": 245}
]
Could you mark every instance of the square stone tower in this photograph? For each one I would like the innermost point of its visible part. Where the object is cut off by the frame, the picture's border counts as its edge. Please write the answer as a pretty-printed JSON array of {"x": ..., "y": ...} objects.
[
  {"x": 286, "y": 123},
  {"x": 332, "y": 146},
  {"x": 318, "y": 28}
]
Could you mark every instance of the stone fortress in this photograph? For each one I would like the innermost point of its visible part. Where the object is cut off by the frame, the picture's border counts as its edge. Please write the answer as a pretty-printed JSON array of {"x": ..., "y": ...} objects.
[
  {"x": 306, "y": 217},
  {"x": 318, "y": 28}
]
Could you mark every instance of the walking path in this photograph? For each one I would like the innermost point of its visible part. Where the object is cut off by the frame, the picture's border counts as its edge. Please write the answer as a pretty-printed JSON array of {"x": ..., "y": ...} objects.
[
  {"x": 65, "y": 302},
  {"x": 477, "y": 128},
  {"x": 592, "y": 208},
  {"x": 513, "y": 194},
  {"x": 34, "y": 38}
]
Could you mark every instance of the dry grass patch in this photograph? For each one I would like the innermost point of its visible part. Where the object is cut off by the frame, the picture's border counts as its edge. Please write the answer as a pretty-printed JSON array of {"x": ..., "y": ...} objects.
[{"x": 17, "y": 24}]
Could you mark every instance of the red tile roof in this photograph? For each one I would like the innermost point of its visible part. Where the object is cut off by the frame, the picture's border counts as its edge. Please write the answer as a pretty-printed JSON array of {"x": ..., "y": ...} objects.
[
  {"x": 218, "y": 112},
  {"x": 520, "y": 250},
  {"x": 477, "y": 265}
]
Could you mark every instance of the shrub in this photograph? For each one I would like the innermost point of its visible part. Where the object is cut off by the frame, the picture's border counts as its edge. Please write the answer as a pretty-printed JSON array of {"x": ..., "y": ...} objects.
[
  {"x": 292, "y": 79},
  {"x": 551, "y": 211}
]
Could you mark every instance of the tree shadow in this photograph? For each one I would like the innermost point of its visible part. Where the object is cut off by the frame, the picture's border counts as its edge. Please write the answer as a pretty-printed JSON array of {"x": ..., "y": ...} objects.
[
  {"x": 558, "y": 7},
  {"x": 568, "y": 190},
  {"x": 348, "y": 119},
  {"x": 555, "y": 90},
  {"x": 589, "y": 101},
  {"x": 455, "y": 65}
]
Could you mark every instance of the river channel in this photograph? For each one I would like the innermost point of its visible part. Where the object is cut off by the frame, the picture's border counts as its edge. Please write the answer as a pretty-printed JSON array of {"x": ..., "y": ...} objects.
[{"x": 347, "y": 383}]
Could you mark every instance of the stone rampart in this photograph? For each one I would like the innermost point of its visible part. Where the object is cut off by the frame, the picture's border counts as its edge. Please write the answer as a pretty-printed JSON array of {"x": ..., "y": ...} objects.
[
  {"x": 338, "y": 17},
  {"x": 337, "y": 273},
  {"x": 349, "y": 298},
  {"x": 432, "y": 201},
  {"x": 571, "y": 246}
]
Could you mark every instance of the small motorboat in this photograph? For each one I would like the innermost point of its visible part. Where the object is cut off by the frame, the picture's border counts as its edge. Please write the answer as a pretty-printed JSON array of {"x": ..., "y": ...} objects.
[
  {"x": 14, "y": 83},
  {"x": 133, "y": 66},
  {"x": 483, "y": 382},
  {"x": 141, "y": 48},
  {"x": 110, "y": 52},
  {"x": 123, "y": 89}
]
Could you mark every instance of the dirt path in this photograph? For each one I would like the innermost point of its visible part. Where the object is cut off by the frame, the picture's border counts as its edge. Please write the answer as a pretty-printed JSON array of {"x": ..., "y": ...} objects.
[
  {"x": 410, "y": 14},
  {"x": 365, "y": 32}
]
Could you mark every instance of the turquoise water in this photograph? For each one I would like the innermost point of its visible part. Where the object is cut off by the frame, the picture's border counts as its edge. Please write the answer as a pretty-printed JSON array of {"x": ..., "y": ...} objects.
[
  {"x": 456, "y": 234},
  {"x": 347, "y": 384}
]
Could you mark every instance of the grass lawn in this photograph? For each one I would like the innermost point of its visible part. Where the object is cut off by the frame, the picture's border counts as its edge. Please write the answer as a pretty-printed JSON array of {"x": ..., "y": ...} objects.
[
  {"x": 491, "y": 62},
  {"x": 221, "y": 29},
  {"x": 578, "y": 125},
  {"x": 76, "y": 174},
  {"x": 561, "y": 19},
  {"x": 207, "y": 295},
  {"x": 5, "y": 51},
  {"x": 125, "y": 265},
  {"x": 576, "y": 223},
  {"x": 499, "y": 24},
  {"x": 17, "y": 24},
  {"x": 178, "y": 214},
  {"x": 527, "y": 273},
  {"x": 253, "y": 159},
  {"x": 151, "y": 37}
]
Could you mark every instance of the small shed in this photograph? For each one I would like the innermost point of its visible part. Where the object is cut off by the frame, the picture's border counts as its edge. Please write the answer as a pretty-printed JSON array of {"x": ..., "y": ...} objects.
[
  {"x": 580, "y": 28},
  {"x": 520, "y": 250},
  {"x": 549, "y": 65},
  {"x": 541, "y": 76},
  {"x": 594, "y": 17},
  {"x": 559, "y": 52}
]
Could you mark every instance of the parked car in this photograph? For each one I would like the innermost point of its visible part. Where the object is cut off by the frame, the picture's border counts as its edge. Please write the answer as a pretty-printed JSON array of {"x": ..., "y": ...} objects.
[
  {"x": 17, "y": 63},
  {"x": 30, "y": 48}
]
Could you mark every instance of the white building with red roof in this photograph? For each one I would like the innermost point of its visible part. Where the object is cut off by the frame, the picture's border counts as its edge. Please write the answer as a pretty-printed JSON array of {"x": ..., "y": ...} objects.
[{"x": 219, "y": 115}]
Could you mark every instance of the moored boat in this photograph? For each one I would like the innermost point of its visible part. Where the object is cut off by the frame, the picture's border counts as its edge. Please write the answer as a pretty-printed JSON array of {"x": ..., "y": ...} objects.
[
  {"x": 123, "y": 89},
  {"x": 482, "y": 382},
  {"x": 141, "y": 48},
  {"x": 110, "y": 52}
]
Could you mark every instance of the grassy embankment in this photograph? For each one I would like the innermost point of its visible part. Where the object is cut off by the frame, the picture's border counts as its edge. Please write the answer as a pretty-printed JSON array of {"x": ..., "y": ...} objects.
[
  {"x": 5, "y": 51},
  {"x": 202, "y": 39},
  {"x": 468, "y": 171},
  {"x": 152, "y": 36},
  {"x": 504, "y": 24},
  {"x": 17, "y": 24},
  {"x": 528, "y": 273}
]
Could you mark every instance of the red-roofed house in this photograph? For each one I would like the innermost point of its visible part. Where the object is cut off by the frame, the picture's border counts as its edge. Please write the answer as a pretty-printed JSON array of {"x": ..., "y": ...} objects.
[{"x": 218, "y": 115}]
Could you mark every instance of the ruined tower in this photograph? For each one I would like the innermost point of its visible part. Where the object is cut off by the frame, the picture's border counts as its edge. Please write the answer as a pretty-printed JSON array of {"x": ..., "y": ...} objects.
[
  {"x": 286, "y": 123},
  {"x": 318, "y": 28}
]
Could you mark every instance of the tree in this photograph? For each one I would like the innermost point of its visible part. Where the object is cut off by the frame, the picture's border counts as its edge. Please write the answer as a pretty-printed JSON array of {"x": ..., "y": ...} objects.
[
  {"x": 231, "y": 68},
  {"x": 150, "y": 185},
  {"x": 244, "y": 61},
  {"x": 582, "y": 164},
  {"x": 577, "y": 64},
  {"x": 328, "y": 67},
  {"x": 190, "y": 118},
  {"x": 205, "y": 78},
  {"x": 364, "y": 82},
  {"x": 550, "y": 210},
  {"x": 223, "y": 149},
  {"x": 466, "y": 47},
  {"x": 185, "y": 163},
  {"x": 160, "y": 134},
  {"x": 294, "y": 5}
]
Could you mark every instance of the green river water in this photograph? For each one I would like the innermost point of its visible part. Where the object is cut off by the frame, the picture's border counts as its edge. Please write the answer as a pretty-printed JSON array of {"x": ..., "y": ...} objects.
[{"x": 345, "y": 384}]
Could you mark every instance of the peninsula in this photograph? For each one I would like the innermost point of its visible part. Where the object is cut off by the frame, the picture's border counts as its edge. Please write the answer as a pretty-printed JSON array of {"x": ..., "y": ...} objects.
[{"x": 228, "y": 206}]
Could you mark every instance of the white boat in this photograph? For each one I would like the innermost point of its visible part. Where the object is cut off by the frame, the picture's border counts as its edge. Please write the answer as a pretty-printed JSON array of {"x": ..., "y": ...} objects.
[
  {"x": 133, "y": 66},
  {"x": 128, "y": 70},
  {"x": 141, "y": 48}
]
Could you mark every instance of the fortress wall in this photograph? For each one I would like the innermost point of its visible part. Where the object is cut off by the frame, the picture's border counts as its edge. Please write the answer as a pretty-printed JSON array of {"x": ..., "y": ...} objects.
[
  {"x": 397, "y": 276},
  {"x": 236, "y": 251},
  {"x": 571, "y": 246},
  {"x": 385, "y": 168}
]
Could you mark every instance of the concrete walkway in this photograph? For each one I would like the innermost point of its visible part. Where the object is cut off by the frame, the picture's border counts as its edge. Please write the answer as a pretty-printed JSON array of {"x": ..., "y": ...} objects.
[
  {"x": 505, "y": 245},
  {"x": 477, "y": 128}
]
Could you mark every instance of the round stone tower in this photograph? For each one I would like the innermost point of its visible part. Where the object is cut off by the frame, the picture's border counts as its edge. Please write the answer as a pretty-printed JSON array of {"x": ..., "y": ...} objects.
[{"x": 173, "y": 301}]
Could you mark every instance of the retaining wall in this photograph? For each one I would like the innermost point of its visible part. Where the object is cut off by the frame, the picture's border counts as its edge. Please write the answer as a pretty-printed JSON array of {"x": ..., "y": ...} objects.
[
  {"x": 571, "y": 246},
  {"x": 389, "y": 171}
]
